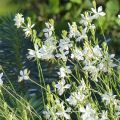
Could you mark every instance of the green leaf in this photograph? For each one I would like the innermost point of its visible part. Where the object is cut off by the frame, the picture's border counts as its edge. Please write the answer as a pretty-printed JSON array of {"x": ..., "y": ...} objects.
[
  {"x": 112, "y": 8},
  {"x": 54, "y": 6}
]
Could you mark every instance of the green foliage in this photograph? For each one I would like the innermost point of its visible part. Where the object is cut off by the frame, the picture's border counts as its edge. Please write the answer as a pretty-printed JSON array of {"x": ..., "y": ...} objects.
[
  {"x": 112, "y": 8},
  {"x": 7, "y": 7},
  {"x": 54, "y": 6},
  {"x": 76, "y": 1}
]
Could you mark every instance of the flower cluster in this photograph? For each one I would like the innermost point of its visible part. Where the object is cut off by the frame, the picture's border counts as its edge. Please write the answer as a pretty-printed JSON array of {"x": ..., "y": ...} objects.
[
  {"x": 86, "y": 68},
  {"x": 49, "y": 47},
  {"x": 57, "y": 111},
  {"x": 19, "y": 22},
  {"x": 61, "y": 85},
  {"x": 79, "y": 96},
  {"x": 88, "y": 113}
]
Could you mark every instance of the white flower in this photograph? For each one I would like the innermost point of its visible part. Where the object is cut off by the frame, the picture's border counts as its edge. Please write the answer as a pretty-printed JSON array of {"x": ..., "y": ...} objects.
[
  {"x": 83, "y": 35},
  {"x": 65, "y": 44},
  {"x": 46, "y": 52},
  {"x": 98, "y": 12},
  {"x": 48, "y": 48},
  {"x": 61, "y": 86},
  {"x": 118, "y": 16},
  {"x": 110, "y": 60},
  {"x": 47, "y": 113},
  {"x": 72, "y": 100},
  {"x": 34, "y": 53},
  {"x": 86, "y": 19},
  {"x": 106, "y": 63},
  {"x": 62, "y": 55},
  {"x": 93, "y": 70},
  {"x": 61, "y": 112},
  {"x": 78, "y": 96},
  {"x": 51, "y": 41},
  {"x": 73, "y": 31},
  {"x": 88, "y": 113},
  {"x": 64, "y": 71},
  {"x": 88, "y": 51},
  {"x": 1, "y": 81},
  {"x": 104, "y": 115},
  {"x": 48, "y": 30},
  {"x": 24, "y": 75},
  {"x": 57, "y": 111},
  {"x": 50, "y": 113},
  {"x": 28, "y": 29},
  {"x": 19, "y": 20},
  {"x": 102, "y": 67},
  {"x": 97, "y": 51},
  {"x": 77, "y": 54},
  {"x": 108, "y": 98}
]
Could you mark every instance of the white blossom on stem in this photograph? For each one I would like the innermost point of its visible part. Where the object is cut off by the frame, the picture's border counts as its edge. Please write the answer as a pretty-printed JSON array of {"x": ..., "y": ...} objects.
[
  {"x": 83, "y": 35},
  {"x": 73, "y": 31},
  {"x": 65, "y": 44},
  {"x": 78, "y": 96},
  {"x": 61, "y": 111},
  {"x": 108, "y": 98},
  {"x": 62, "y": 55},
  {"x": 97, "y": 51},
  {"x": 88, "y": 113},
  {"x": 64, "y": 71},
  {"x": 34, "y": 53},
  {"x": 77, "y": 54},
  {"x": 93, "y": 70},
  {"x": 24, "y": 75},
  {"x": 98, "y": 12},
  {"x": 19, "y": 20},
  {"x": 61, "y": 86},
  {"x": 48, "y": 30},
  {"x": 46, "y": 52},
  {"x": 104, "y": 115},
  {"x": 86, "y": 19},
  {"x": 28, "y": 29}
]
